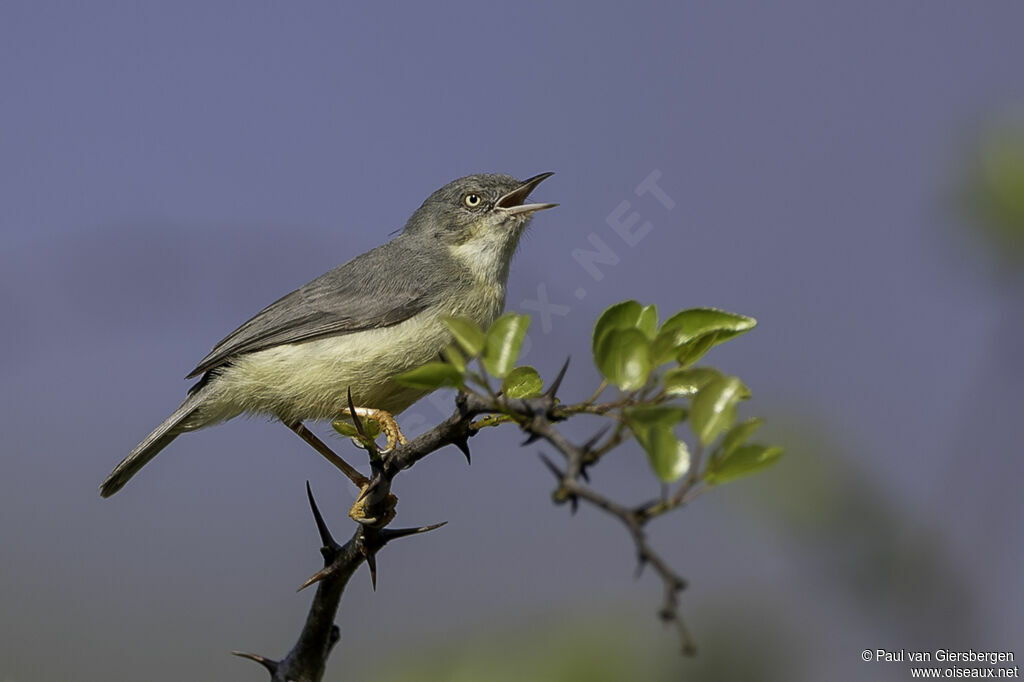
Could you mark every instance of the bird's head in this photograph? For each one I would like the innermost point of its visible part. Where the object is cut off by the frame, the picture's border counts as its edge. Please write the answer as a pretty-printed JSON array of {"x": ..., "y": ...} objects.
[{"x": 479, "y": 218}]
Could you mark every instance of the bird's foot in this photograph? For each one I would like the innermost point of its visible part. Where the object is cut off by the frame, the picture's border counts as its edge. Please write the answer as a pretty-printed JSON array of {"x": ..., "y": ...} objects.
[
  {"x": 360, "y": 513},
  {"x": 387, "y": 424}
]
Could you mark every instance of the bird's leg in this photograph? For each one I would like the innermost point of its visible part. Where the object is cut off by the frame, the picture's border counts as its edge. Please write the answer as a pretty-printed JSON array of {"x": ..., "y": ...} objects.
[
  {"x": 358, "y": 510},
  {"x": 387, "y": 423},
  {"x": 321, "y": 447}
]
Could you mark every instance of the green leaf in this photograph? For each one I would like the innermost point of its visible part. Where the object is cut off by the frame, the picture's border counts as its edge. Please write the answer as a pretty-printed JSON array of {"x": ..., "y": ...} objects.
[
  {"x": 736, "y": 436},
  {"x": 647, "y": 322},
  {"x": 691, "y": 352},
  {"x": 623, "y": 356},
  {"x": 652, "y": 425},
  {"x": 522, "y": 382},
  {"x": 669, "y": 457},
  {"x": 713, "y": 409},
  {"x": 503, "y": 343},
  {"x": 691, "y": 324},
  {"x": 703, "y": 328},
  {"x": 687, "y": 381},
  {"x": 467, "y": 333},
  {"x": 624, "y": 315},
  {"x": 431, "y": 376},
  {"x": 649, "y": 416},
  {"x": 663, "y": 348},
  {"x": 455, "y": 357},
  {"x": 346, "y": 427},
  {"x": 744, "y": 460}
]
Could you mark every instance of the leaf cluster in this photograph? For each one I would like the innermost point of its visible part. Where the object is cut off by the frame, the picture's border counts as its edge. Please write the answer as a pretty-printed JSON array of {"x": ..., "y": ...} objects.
[{"x": 653, "y": 366}]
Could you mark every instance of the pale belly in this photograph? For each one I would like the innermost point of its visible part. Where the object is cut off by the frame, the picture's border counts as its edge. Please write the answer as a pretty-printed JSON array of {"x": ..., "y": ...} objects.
[{"x": 311, "y": 380}]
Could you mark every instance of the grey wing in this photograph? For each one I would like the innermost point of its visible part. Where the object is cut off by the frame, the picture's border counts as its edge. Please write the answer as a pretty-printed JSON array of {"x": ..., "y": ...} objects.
[{"x": 350, "y": 298}]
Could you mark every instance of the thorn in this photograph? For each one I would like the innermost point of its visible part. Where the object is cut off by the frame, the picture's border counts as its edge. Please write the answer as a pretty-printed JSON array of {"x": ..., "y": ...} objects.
[
  {"x": 371, "y": 561},
  {"x": 321, "y": 526},
  {"x": 355, "y": 417},
  {"x": 369, "y": 488},
  {"x": 551, "y": 466},
  {"x": 641, "y": 562},
  {"x": 589, "y": 445},
  {"x": 388, "y": 534},
  {"x": 333, "y": 638},
  {"x": 268, "y": 663},
  {"x": 553, "y": 389},
  {"x": 316, "y": 577},
  {"x": 463, "y": 444},
  {"x": 588, "y": 448},
  {"x": 574, "y": 504}
]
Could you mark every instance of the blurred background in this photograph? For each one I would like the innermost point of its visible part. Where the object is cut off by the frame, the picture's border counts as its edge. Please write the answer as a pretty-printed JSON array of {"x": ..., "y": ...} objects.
[{"x": 850, "y": 175}]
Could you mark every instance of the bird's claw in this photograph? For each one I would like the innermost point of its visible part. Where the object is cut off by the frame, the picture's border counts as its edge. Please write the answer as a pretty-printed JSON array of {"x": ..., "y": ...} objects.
[
  {"x": 392, "y": 432},
  {"x": 360, "y": 514},
  {"x": 386, "y": 421}
]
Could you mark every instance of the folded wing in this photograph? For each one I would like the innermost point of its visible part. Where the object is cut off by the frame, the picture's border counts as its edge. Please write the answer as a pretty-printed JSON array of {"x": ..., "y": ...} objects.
[{"x": 356, "y": 296}]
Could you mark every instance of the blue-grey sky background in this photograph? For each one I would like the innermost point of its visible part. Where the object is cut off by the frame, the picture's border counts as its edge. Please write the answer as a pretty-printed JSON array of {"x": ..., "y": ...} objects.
[{"x": 168, "y": 169}]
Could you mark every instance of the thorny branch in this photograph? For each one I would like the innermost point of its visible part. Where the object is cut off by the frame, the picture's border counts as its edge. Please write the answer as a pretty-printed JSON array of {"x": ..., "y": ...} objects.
[{"x": 375, "y": 509}]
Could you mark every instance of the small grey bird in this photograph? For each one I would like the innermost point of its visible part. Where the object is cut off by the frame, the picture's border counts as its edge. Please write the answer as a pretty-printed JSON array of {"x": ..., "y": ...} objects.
[{"x": 361, "y": 324}]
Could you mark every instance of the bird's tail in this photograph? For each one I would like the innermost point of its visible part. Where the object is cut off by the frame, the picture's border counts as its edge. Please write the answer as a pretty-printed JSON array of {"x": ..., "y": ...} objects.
[{"x": 160, "y": 438}]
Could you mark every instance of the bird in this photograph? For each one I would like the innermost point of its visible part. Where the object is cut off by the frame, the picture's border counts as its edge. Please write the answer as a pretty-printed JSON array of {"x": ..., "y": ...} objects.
[{"x": 349, "y": 332}]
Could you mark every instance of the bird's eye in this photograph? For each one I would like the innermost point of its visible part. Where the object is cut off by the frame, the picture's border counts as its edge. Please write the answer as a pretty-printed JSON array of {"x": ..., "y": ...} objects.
[{"x": 472, "y": 200}]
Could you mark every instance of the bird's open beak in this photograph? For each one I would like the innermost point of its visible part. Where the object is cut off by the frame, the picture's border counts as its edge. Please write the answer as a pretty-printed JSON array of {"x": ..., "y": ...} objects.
[{"x": 512, "y": 202}]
